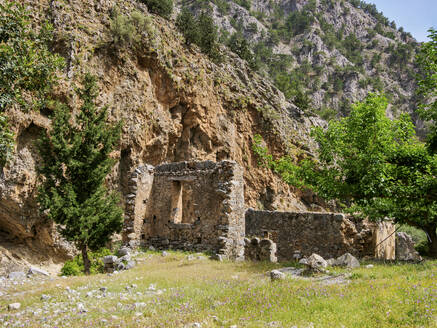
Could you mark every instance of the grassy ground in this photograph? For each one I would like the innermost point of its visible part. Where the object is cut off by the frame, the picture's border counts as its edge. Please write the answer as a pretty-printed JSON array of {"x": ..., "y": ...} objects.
[{"x": 175, "y": 292}]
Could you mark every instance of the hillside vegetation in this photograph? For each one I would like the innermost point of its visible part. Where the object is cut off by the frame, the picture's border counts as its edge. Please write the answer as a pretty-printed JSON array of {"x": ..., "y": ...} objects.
[{"x": 323, "y": 55}]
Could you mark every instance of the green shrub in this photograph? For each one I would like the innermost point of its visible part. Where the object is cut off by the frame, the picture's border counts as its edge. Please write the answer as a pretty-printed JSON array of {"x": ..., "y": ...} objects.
[
  {"x": 162, "y": 8},
  {"x": 27, "y": 67},
  {"x": 127, "y": 30},
  {"x": 72, "y": 268},
  {"x": 75, "y": 266},
  {"x": 422, "y": 248},
  {"x": 244, "y": 3}
]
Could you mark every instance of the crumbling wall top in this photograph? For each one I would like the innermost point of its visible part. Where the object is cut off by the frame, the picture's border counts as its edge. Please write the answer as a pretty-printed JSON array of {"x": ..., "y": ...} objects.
[{"x": 188, "y": 167}]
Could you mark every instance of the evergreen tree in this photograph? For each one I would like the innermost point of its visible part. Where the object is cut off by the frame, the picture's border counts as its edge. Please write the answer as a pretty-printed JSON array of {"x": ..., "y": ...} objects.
[
  {"x": 239, "y": 45},
  {"x": 75, "y": 163},
  {"x": 163, "y": 8},
  {"x": 208, "y": 34},
  {"x": 188, "y": 26}
]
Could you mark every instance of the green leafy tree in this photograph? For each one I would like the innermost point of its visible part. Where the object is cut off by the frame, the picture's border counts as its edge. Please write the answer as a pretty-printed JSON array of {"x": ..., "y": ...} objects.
[
  {"x": 427, "y": 81},
  {"x": 412, "y": 190},
  {"x": 75, "y": 163},
  {"x": 27, "y": 67},
  {"x": 373, "y": 165}
]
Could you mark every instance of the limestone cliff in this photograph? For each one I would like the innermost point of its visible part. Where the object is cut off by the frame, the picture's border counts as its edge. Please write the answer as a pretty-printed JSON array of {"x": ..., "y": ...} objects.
[
  {"x": 175, "y": 105},
  {"x": 336, "y": 51}
]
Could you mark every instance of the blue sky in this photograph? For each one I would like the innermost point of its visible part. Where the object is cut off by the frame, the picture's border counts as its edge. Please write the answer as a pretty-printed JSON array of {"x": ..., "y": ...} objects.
[{"x": 416, "y": 16}]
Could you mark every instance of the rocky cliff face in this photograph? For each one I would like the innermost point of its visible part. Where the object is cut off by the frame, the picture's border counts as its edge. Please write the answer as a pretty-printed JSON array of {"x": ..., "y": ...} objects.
[
  {"x": 175, "y": 105},
  {"x": 334, "y": 50}
]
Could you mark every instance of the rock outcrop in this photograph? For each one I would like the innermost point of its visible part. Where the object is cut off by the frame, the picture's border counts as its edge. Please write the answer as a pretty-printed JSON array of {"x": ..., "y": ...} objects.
[
  {"x": 336, "y": 50},
  {"x": 175, "y": 105}
]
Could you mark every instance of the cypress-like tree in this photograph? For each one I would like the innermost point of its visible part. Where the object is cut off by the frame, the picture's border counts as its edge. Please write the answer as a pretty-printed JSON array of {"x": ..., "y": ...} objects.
[
  {"x": 187, "y": 24},
  {"x": 75, "y": 162},
  {"x": 208, "y": 34}
]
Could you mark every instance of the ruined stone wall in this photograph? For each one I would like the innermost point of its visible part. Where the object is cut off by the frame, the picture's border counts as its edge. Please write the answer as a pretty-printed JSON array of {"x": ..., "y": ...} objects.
[
  {"x": 327, "y": 234},
  {"x": 188, "y": 205},
  {"x": 139, "y": 188}
]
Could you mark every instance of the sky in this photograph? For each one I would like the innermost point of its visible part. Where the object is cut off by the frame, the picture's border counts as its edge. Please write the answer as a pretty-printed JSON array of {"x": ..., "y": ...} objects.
[{"x": 415, "y": 16}]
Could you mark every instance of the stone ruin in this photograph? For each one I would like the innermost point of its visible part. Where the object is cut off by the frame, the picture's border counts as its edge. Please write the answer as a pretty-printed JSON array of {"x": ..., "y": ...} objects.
[
  {"x": 300, "y": 234},
  {"x": 199, "y": 206},
  {"x": 194, "y": 206},
  {"x": 257, "y": 249}
]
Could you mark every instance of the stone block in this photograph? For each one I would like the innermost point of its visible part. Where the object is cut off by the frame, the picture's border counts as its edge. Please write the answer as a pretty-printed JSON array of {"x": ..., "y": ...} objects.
[{"x": 405, "y": 250}]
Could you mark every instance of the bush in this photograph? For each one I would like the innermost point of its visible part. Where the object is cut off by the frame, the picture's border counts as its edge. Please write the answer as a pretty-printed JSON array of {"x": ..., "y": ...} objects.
[
  {"x": 75, "y": 266},
  {"x": 423, "y": 248},
  {"x": 27, "y": 67},
  {"x": 126, "y": 30},
  {"x": 72, "y": 268},
  {"x": 162, "y": 8}
]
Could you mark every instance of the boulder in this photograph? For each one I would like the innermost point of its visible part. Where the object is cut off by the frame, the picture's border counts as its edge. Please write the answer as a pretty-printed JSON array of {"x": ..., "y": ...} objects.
[
  {"x": 45, "y": 297},
  {"x": 276, "y": 275},
  {"x": 130, "y": 265},
  {"x": 303, "y": 261},
  {"x": 125, "y": 258},
  {"x": 110, "y": 259},
  {"x": 36, "y": 271},
  {"x": 316, "y": 263},
  {"x": 123, "y": 251},
  {"x": 17, "y": 275},
  {"x": 405, "y": 250},
  {"x": 14, "y": 306},
  {"x": 347, "y": 260},
  {"x": 331, "y": 262},
  {"x": 81, "y": 308}
]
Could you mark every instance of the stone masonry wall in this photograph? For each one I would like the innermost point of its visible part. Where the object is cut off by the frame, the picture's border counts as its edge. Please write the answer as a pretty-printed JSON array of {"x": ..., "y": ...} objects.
[
  {"x": 140, "y": 186},
  {"x": 188, "y": 205},
  {"x": 327, "y": 234}
]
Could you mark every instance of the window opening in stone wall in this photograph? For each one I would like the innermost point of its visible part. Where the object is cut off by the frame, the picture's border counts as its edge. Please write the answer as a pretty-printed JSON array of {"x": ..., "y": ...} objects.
[{"x": 176, "y": 202}]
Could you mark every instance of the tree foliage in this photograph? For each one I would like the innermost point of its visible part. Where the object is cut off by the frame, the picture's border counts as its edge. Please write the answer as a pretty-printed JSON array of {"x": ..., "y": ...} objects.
[
  {"x": 27, "y": 67},
  {"x": 75, "y": 163},
  {"x": 427, "y": 81},
  {"x": 163, "y": 8},
  {"x": 200, "y": 30},
  {"x": 374, "y": 166},
  {"x": 239, "y": 45},
  {"x": 187, "y": 24}
]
